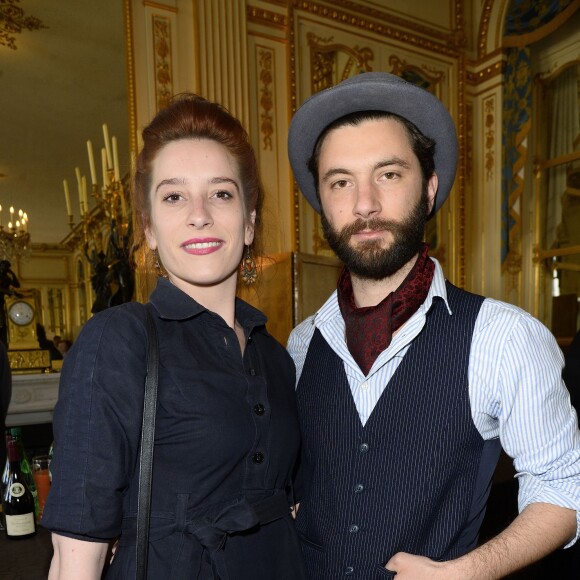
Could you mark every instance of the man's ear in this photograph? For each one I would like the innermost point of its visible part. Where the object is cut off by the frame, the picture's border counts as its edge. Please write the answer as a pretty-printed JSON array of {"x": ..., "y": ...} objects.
[
  {"x": 250, "y": 224},
  {"x": 432, "y": 186}
]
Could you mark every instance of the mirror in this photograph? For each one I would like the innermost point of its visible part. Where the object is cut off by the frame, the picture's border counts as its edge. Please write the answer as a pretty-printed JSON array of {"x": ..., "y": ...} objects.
[{"x": 59, "y": 86}]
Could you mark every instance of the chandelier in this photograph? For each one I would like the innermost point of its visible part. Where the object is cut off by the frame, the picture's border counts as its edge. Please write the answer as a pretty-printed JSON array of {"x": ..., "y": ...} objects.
[{"x": 15, "y": 239}]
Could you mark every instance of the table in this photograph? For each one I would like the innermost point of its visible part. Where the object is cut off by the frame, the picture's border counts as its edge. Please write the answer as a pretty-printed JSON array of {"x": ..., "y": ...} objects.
[{"x": 27, "y": 559}]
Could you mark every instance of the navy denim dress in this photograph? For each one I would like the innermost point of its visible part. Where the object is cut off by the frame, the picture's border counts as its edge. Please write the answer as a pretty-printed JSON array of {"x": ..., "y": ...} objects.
[{"x": 226, "y": 441}]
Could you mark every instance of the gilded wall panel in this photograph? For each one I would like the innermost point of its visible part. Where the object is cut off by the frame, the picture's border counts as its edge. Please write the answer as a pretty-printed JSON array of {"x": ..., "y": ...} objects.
[{"x": 268, "y": 128}]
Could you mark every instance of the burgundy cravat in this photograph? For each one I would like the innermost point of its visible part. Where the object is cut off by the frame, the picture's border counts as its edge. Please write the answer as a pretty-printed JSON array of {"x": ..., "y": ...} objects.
[{"x": 369, "y": 330}]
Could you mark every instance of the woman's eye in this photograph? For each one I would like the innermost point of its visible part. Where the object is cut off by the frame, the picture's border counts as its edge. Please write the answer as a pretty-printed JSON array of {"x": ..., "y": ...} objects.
[
  {"x": 223, "y": 194},
  {"x": 172, "y": 197}
]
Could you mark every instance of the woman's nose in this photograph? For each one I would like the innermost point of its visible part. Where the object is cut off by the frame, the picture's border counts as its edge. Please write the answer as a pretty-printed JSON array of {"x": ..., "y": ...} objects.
[{"x": 199, "y": 213}]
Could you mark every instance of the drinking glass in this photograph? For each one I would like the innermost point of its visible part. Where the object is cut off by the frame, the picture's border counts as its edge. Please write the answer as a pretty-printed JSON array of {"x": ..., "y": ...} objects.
[{"x": 40, "y": 465}]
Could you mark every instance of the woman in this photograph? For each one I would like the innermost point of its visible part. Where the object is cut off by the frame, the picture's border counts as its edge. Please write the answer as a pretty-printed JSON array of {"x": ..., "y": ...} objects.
[{"x": 226, "y": 434}]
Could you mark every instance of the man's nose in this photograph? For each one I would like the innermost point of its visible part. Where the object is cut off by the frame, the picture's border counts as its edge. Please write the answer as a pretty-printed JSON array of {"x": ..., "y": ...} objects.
[{"x": 367, "y": 203}]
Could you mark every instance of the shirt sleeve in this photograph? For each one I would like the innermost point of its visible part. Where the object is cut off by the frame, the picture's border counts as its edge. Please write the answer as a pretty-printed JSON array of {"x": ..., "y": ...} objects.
[
  {"x": 298, "y": 343},
  {"x": 516, "y": 380},
  {"x": 97, "y": 423}
]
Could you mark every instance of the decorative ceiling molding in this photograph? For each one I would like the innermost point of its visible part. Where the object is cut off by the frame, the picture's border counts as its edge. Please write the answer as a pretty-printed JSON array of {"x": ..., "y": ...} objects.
[{"x": 14, "y": 21}]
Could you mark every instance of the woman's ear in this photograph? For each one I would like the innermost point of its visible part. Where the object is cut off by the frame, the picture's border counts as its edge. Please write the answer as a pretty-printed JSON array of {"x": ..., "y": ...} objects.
[
  {"x": 249, "y": 238},
  {"x": 150, "y": 236}
]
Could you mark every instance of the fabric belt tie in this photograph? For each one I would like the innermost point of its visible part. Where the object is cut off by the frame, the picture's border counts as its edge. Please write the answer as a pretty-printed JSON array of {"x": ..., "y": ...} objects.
[{"x": 211, "y": 531}]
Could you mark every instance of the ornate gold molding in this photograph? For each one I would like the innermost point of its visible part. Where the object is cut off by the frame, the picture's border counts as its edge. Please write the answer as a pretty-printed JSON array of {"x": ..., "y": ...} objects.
[
  {"x": 324, "y": 61},
  {"x": 131, "y": 94},
  {"x": 446, "y": 47},
  {"x": 266, "y": 17},
  {"x": 163, "y": 57},
  {"x": 469, "y": 144},
  {"x": 489, "y": 123},
  {"x": 359, "y": 9},
  {"x": 484, "y": 27},
  {"x": 266, "y": 60},
  {"x": 494, "y": 70},
  {"x": 399, "y": 66}
]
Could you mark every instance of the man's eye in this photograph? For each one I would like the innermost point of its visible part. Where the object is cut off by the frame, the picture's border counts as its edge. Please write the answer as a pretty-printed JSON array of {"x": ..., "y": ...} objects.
[{"x": 340, "y": 183}]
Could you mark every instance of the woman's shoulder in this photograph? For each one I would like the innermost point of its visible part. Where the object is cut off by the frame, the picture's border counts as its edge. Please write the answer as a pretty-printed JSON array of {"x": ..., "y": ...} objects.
[{"x": 115, "y": 327}]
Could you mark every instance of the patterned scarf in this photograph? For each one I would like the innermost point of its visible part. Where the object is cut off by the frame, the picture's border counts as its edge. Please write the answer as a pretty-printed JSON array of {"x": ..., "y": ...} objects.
[{"x": 369, "y": 330}]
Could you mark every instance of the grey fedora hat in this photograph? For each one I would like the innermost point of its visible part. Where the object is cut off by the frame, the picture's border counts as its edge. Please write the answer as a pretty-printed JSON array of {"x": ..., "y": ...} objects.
[{"x": 373, "y": 91}]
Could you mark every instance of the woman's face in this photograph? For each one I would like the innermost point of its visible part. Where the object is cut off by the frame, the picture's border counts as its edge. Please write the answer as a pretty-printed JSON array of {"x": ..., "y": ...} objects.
[{"x": 197, "y": 223}]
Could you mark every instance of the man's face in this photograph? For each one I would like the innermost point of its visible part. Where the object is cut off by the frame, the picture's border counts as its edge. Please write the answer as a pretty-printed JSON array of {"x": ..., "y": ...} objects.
[{"x": 374, "y": 208}]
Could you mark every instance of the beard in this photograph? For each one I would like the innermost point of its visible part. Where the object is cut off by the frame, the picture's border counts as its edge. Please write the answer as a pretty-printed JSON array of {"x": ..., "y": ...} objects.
[{"x": 369, "y": 259}]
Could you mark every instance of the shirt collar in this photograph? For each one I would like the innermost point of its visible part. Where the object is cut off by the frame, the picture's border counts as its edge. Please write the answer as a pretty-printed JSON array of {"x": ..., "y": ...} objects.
[
  {"x": 172, "y": 303},
  {"x": 330, "y": 308}
]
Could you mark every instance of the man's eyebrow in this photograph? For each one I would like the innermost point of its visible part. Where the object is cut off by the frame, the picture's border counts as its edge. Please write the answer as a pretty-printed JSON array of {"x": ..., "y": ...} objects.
[
  {"x": 397, "y": 161},
  {"x": 393, "y": 161},
  {"x": 171, "y": 181}
]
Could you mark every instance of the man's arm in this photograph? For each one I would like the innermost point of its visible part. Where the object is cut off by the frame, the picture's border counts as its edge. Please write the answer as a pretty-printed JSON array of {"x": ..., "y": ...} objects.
[{"x": 540, "y": 529}]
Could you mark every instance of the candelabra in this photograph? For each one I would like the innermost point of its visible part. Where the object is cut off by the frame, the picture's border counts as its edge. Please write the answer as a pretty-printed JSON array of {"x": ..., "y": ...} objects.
[
  {"x": 104, "y": 230},
  {"x": 15, "y": 240}
]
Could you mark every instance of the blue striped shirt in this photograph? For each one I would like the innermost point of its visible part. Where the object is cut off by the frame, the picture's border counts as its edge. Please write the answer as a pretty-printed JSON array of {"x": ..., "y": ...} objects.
[{"x": 516, "y": 390}]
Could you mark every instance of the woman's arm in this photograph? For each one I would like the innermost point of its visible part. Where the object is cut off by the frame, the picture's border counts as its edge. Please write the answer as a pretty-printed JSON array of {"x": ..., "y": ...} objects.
[{"x": 76, "y": 559}]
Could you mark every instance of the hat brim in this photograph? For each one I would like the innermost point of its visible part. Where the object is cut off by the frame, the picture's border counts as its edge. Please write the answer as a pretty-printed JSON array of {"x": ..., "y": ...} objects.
[{"x": 373, "y": 92}]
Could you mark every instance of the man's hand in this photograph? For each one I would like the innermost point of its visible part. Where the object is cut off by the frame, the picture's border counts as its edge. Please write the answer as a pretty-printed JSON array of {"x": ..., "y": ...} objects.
[{"x": 410, "y": 567}]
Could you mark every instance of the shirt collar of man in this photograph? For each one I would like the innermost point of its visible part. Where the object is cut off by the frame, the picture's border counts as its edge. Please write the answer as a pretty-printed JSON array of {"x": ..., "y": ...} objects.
[{"x": 330, "y": 309}]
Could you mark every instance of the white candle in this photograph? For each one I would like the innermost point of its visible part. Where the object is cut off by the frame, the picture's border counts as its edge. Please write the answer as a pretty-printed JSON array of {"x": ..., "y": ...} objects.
[
  {"x": 67, "y": 197},
  {"x": 107, "y": 145},
  {"x": 0, "y": 215},
  {"x": 104, "y": 165},
  {"x": 9, "y": 225},
  {"x": 92, "y": 163},
  {"x": 79, "y": 186},
  {"x": 85, "y": 196},
  {"x": 116, "y": 160}
]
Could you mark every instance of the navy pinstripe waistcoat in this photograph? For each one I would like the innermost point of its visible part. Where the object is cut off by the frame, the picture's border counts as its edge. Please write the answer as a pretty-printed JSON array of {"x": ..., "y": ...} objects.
[{"x": 416, "y": 477}]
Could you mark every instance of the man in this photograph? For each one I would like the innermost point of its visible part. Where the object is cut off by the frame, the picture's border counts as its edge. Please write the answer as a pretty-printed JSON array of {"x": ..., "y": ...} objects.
[{"x": 407, "y": 386}]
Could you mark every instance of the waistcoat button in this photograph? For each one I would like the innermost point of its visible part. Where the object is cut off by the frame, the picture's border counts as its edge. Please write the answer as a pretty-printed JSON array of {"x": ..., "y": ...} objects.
[
  {"x": 358, "y": 488},
  {"x": 349, "y": 571},
  {"x": 353, "y": 529},
  {"x": 258, "y": 457},
  {"x": 259, "y": 409},
  {"x": 364, "y": 447}
]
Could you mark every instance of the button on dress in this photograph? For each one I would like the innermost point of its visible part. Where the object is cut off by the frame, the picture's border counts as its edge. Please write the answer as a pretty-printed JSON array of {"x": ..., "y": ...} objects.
[{"x": 226, "y": 442}]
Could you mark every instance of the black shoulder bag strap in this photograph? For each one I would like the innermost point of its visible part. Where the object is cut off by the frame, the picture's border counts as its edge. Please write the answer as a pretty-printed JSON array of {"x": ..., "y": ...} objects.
[{"x": 147, "y": 440}]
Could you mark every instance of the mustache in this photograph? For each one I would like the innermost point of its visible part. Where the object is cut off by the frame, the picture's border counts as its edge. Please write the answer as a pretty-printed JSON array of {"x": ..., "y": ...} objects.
[{"x": 373, "y": 225}]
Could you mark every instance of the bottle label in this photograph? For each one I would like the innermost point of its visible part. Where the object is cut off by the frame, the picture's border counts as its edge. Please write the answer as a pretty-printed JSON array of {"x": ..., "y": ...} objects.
[
  {"x": 21, "y": 525},
  {"x": 17, "y": 490}
]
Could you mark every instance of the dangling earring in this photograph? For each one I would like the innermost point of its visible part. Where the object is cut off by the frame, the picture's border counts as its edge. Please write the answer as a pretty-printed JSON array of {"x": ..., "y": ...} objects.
[
  {"x": 156, "y": 263},
  {"x": 248, "y": 268}
]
